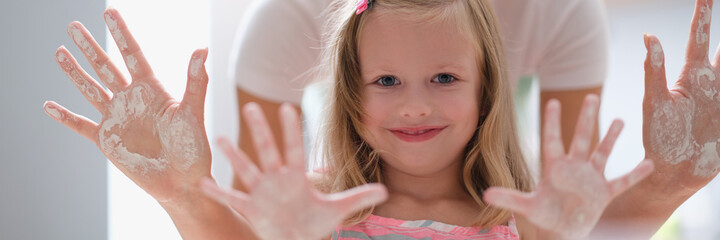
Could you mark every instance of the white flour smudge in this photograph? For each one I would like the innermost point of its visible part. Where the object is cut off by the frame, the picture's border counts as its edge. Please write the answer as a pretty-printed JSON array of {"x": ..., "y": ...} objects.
[
  {"x": 708, "y": 163},
  {"x": 131, "y": 63},
  {"x": 706, "y": 86},
  {"x": 61, "y": 57},
  {"x": 179, "y": 137},
  {"x": 82, "y": 42},
  {"x": 133, "y": 160},
  {"x": 701, "y": 36},
  {"x": 195, "y": 66},
  {"x": 706, "y": 72},
  {"x": 136, "y": 103},
  {"x": 74, "y": 74},
  {"x": 116, "y": 33},
  {"x": 50, "y": 109},
  {"x": 656, "y": 55},
  {"x": 127, "y": 105},
  {"x": 673, "y": 132},
  {"x": 106, "y": 74}
]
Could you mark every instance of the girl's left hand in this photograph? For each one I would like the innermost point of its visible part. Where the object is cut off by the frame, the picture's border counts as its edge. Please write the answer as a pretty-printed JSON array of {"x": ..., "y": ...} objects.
[{"x": 573, "y": 192}]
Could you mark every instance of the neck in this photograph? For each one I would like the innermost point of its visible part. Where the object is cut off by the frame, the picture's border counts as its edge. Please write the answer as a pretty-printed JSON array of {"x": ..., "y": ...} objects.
[{"x": 445, "y": 183}]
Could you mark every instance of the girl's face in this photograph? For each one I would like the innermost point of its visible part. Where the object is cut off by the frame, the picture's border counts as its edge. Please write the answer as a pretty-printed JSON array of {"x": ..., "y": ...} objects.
[{"x": 420, "y": 86}]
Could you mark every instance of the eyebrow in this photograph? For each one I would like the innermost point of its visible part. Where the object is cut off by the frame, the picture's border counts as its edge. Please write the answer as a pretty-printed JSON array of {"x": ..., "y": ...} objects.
[
  {"x": 459, "y": 70},
  {"x": 439, "y": 66},
  {"x": 452, "y": 66}
]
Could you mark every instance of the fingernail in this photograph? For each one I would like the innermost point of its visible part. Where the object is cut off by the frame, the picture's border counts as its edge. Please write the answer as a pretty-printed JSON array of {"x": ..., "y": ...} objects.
[
  {"x": 253, "y": 111},
  {"x": 60, "y": 56},
  {"x": 50, "y": 110},
  {"x": 196, "y": 65},
  {"x": 115, "y": 31},
  {"x": 109, "y": 18},
  {"x": 288, "y": 111}
]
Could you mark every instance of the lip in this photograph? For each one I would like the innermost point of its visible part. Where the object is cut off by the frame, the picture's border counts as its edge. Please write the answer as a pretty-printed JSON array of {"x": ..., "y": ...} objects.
[{"x": 417, "y": 134}]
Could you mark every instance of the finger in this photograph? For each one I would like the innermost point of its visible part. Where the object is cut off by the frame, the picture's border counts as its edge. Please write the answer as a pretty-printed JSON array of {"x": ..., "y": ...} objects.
[
  {"x": 359, "y": 198},
  {"x": 91, "y": 89},
  {"x": 655, "y": 80},
  {"x": 580, "y": 146},
  {"x": 243, "y": 167},
  {"x": 106, "y": 70},
  {"x": 294, "y": 152},
  {"x": 602, "y": 152},
  {"x": 81, "y": 125},
  {"x": 552, "y": 141},
  {"x": 509, "y": 199},
  {"x": 626, "y": 181},
  {"x": 196, "y": 88},
  {"x": 699, "y": 43},
  {"x": 236, "y": 200},
  {"x": 262, "y": 137},
  {"x": 134, "y": 59}
]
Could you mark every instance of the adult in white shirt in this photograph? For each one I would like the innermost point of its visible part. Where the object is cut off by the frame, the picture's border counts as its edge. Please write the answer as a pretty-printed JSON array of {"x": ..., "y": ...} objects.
[{"x": 561, "y": 42}]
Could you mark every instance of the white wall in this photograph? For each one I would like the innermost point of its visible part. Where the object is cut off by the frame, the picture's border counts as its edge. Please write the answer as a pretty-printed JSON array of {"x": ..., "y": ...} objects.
[
  {"x": 52, "y": 180},
  {"x": 225, "y": 18}
]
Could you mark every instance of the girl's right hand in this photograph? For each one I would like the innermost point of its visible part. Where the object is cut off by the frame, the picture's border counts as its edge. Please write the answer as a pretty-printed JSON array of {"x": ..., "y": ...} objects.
[{"x": 280, "y": 202}]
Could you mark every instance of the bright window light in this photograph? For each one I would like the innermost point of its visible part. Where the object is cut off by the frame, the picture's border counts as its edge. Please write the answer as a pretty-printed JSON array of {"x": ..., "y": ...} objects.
[{"x": 168, "y": 34}]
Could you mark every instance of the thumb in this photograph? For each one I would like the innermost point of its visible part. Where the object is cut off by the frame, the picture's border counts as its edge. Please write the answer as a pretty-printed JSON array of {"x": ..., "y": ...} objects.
[
  {"x": 655, "y": 80},
  {"x": 628, "y": 180},
  {"x": 509, "y": 199},
  {"x": 359, "y": 198},
  {"x": 197, "y": 82}
]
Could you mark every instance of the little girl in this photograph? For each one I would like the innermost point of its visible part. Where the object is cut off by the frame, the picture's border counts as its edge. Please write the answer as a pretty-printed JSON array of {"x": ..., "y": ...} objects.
[
  {"x": 420, "y": 103},
  {"x": 420, "y": 139}
]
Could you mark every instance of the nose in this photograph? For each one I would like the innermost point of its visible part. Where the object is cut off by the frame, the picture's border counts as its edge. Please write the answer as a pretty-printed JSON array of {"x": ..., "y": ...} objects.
[{"x": 416, "y": 104}]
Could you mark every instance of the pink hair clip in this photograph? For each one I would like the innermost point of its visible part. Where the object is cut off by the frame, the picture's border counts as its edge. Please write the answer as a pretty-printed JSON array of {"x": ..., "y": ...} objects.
[{"x": 363, "y": 5}]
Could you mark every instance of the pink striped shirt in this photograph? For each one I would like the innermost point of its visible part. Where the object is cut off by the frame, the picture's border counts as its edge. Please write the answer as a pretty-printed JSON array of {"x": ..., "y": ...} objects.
[{"x": 381, "y": 228}]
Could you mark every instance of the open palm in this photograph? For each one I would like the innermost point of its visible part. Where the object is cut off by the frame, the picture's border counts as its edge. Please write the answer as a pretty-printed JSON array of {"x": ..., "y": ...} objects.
[
  {"x": 281, "y": 203},
  {"x": 681, "y": 128},
  {"x": 573, "y": 192},
  {"x": 155, "y": 140}
]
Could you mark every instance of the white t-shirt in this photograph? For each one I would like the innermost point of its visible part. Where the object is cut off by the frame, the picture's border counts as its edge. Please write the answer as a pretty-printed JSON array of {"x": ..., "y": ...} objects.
[{"x": 562, "y": 42}]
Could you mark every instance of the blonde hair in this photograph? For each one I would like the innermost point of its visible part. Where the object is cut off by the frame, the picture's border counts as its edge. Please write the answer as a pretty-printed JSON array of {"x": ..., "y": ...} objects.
[{"x": 492, "y": 157}]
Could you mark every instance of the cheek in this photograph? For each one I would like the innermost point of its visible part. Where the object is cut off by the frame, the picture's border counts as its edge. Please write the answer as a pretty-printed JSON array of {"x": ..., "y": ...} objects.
[
  {"x": 462, "y": 108},
  {"x": 377, "y": 109}
]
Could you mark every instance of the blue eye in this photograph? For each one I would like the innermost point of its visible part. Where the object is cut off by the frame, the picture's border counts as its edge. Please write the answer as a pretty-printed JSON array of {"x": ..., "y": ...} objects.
[
  {"x": 444, "y": 78},
  {"x": 387, "y": 81}
]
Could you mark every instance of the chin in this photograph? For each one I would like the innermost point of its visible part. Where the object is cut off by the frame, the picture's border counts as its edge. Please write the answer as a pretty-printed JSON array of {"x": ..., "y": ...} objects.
[{"x": 418, "y": 165}]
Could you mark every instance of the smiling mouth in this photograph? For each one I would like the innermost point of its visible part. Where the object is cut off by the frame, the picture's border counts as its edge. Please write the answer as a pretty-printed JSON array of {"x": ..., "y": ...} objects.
[{"x": 417, "y": 134}]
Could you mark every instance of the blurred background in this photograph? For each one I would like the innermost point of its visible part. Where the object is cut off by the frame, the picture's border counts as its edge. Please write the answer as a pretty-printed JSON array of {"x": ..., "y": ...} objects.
[{"x": 54, "y": 184}]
